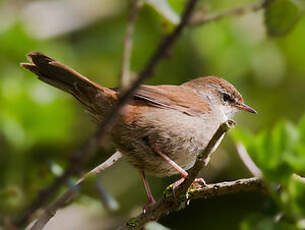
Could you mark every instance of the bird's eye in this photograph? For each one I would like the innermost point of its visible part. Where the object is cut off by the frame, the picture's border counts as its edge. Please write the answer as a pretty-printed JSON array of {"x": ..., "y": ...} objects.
[{"x": 226, "y": 97}]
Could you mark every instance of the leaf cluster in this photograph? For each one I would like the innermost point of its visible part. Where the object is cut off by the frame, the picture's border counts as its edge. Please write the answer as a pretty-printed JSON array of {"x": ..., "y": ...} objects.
[{"x": 280, "y": 154}]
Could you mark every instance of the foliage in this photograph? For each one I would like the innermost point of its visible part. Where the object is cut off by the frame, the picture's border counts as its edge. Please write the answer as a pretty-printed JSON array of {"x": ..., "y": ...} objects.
[{"x": 280, "y": 154}]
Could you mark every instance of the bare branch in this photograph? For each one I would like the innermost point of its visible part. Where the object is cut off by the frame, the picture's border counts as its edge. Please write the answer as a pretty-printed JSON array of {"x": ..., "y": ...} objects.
[
  {"x": 171, "y": 202},
  {"x": 225, "y": 188},
  {"x": 125, "y": 74},
  {"x": 200, "y": 19}
]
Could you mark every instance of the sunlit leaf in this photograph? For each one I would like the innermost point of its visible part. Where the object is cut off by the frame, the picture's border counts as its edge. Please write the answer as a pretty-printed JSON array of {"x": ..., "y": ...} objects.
[
  {"x": 280, "y": 138},
  {"x": 280, "y": 154},
  {"x": 296, "y": 190}
]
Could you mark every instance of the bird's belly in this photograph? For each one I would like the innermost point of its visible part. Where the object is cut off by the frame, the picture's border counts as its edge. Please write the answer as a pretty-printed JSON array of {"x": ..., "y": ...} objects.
[
  {"x": 145, "y": 156},
  {"x": 173, "y": 133}
]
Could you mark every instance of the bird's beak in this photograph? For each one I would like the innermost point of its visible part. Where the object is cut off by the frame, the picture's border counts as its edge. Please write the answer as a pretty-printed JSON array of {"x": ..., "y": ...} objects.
[{"x": 245, "y": 108}]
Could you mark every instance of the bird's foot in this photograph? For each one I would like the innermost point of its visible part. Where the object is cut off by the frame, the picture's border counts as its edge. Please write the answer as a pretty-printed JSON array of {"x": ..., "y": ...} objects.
[
  {"x": 170, "y": 190},
  {"x": 199, "y": 182},
  {"x": 148, "y": 205}
]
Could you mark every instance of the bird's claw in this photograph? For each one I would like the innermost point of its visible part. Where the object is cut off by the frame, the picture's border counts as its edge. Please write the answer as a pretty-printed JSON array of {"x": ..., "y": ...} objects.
[
  {"x": 148, "y": 205},
  {"x": 198, "y": 183}
]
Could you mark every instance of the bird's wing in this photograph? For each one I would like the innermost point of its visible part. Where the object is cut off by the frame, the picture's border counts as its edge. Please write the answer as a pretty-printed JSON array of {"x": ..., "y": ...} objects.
[{"x": 180, "y": 98}]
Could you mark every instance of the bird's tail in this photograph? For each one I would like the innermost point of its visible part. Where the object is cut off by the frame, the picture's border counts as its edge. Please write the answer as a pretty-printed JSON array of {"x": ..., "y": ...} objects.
[{"x": 96, "y": 99}]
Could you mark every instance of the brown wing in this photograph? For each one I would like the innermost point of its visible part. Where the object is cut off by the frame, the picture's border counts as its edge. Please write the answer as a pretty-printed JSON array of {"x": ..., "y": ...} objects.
[{"x": 180, "y": 98}]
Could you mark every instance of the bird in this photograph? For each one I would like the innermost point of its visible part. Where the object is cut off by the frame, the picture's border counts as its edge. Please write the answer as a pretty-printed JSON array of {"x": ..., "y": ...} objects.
[{"x": 163, "y": 127}]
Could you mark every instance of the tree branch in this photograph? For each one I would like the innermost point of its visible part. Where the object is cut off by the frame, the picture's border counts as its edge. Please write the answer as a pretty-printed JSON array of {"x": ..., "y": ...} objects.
[
  {"x": 225, "y": 188},
  {"x": 81, "y": 155},
  {"x": 200, "y": 19},
  {"x": 172, "y": 201}
]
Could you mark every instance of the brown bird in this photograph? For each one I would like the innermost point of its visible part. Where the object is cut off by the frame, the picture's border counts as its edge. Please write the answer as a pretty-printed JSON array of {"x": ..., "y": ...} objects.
[{"x": 163, "y": 127}]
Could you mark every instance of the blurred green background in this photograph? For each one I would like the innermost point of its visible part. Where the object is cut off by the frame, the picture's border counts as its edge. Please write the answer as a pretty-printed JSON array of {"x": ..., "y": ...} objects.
[{"x": 41, "y": 126}]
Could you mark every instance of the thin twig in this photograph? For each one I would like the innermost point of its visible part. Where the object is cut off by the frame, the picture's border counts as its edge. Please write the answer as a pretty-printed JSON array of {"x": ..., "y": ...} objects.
[
  {"x": 246, "y": 159},
  {"x": 170, "y": 202},
  {"x": 125, "y": 75},
  {"x": 81, "y": 155},
  {"x": 50, "y": 211},
  {"x": 200, "y": 19}
]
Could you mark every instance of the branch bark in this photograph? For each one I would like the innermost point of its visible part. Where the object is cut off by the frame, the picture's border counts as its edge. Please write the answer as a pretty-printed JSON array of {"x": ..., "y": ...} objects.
[{"x": 225, "y": 188}]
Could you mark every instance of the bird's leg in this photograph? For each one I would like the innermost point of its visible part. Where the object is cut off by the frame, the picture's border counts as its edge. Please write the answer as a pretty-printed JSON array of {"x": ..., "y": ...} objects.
[
  {"x": 182, "y": 172},
  {"x": 150, "y": 197},
  {"x": 198, "y": 182}
]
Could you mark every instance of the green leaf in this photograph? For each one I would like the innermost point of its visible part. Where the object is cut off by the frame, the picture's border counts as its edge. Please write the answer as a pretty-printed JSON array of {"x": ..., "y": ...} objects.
[
  {"x": 284, "y": 137},
  {"x": 278, "y": 153},
  {"x": 164, "y": 9},
  {"x": 296, "y": 158},
  {"x": 282, "y": 15},
  {"x": 296, "y": 190}
]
